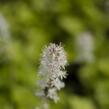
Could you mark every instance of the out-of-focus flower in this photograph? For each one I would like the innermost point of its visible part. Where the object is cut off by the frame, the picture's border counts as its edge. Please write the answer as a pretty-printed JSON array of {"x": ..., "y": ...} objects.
[
  {"x": 4, "y": 34},
  {"x": 43, "y": 106},
  {"x": 106, "y": 6},
  {"x": 85, "y": 47},
  {"x": 4, "y": 29},
  {"x": 52, "y": 71}
]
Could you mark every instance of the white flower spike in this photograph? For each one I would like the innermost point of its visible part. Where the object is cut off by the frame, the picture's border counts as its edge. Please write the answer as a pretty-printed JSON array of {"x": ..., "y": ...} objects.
[{"x": 52, "y": 71}]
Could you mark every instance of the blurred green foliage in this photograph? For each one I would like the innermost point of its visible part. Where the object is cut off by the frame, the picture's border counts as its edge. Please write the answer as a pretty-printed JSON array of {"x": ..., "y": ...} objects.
[{"x": 35, "y": 23}]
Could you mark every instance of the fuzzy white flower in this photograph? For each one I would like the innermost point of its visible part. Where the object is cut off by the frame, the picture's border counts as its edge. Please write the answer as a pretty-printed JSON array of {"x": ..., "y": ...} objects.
[
  {"x": 4, "y": 29},
  {"x": 85, "y": 47},
  {"x": 52, "y": 71},
  {"x": 5, "y": 36}
]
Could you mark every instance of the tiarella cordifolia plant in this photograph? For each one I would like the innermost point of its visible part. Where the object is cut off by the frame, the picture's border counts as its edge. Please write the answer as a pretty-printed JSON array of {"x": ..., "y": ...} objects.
[
  {"x": 52, "y": 71},
  {"x": 85, "y": 47},
  {"x": 4, "y": 29},
  {"x": 5, "y": 36}
]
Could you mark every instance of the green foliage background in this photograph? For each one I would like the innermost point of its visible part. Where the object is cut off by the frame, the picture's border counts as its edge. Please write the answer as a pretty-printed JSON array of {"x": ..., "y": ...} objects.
[{"x": 35, "y": 23}]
